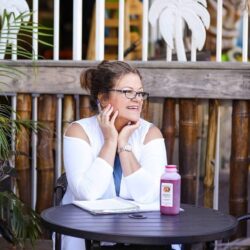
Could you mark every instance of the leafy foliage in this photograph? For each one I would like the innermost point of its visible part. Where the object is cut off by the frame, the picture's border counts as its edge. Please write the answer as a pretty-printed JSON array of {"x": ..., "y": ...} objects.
[
  {"x": 17, "y": 32},
  {"x": 9, "y": 126},
  {"x": 17, "y": 221}
]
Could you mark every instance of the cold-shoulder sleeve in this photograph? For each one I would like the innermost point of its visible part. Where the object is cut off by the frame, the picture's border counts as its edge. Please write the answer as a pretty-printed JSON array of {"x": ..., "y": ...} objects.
[
  {"x": 88, "y": 176},
  {"x": 144, "y": 184}
]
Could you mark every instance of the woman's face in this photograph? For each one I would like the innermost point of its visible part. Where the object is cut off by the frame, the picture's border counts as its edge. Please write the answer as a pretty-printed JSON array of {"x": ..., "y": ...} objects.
[{"x": 129, "y": 109}]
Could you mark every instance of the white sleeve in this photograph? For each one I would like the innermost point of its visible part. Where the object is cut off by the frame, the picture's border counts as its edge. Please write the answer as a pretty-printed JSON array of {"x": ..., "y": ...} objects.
[
  {"x": 144, "y": 184},
  {"x": 88, "y": 176}
]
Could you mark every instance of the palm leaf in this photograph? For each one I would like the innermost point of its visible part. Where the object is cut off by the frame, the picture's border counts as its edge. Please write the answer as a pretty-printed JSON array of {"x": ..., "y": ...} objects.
[
  {"x": 167, "y": 26},
  {"x": 20, "y": 24},
  {"x": 155, "y": 11},
  {"x": 9, "y": 126},
  {"x": 181, "y": 54},
  {"x": 20, "y": 221},
  {"x": 201, "y": 12},
  {"x": 195, "y": 25},
  {"x": 203, "y": 2},
  {"x": 17, "y": 221},
  {"x": 6, "y": 170}
]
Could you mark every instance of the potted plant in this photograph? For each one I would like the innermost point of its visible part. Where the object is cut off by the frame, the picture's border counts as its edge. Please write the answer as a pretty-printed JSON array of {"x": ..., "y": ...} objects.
[{"x": 18, "y": 222}]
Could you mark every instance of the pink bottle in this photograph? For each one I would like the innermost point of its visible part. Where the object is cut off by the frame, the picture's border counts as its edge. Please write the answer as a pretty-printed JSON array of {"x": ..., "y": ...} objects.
[{"x": 170, "y": 191}]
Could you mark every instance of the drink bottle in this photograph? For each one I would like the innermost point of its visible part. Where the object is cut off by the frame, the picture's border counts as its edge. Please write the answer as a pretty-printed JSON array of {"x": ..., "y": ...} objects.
[{"x": 170, "y": 189}]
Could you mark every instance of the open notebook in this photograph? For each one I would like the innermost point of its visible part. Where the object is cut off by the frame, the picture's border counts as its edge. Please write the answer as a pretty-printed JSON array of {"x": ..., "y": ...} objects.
[{"x": 116, "y": 205}]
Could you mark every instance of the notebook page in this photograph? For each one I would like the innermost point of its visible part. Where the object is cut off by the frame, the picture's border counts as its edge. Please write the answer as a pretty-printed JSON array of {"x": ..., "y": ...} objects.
[{"x": 113, "y": 205}]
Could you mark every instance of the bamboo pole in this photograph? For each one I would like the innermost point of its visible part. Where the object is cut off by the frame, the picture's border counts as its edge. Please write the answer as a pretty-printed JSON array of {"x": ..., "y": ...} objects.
[
  {"x": 168, "y": 127},
  {"x": 68, "y": 111},
  {"x": 249, "y": 131},
  {"x": 239, "y": 162},
  {"x": 153, "y": 110},
  {"x": 200, "y": 153},
  {"x": 85, "y": 110},
  {"x": 145, "y": 109},
  {"x": 210, "y": 153},
  {"x": 45, "y": 166},
  {"x": 22, "y": 148},
  {"x": 188, "y": 149}
]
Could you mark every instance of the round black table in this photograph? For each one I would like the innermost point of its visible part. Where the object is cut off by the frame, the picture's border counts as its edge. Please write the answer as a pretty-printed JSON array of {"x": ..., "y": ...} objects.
[{"x": 193, "y": 225}]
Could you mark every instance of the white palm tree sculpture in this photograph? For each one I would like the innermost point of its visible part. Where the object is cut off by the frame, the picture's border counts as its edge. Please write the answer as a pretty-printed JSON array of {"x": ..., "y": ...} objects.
[
  {"x": 171, "y": 14},
  {"x": 11, "y": 25}
]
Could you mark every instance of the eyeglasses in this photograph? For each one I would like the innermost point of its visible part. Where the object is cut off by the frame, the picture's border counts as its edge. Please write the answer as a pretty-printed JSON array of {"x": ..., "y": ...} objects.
[{"x": 131, "y": 94}]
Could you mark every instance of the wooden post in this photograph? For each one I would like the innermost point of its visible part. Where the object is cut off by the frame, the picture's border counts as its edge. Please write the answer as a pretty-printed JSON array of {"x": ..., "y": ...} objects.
[
  {"x": 168, "y": 127},
  {"x": 23, "y": 149},
  {"x": 188, "y": 149},
  {"x": 45, "y": 166},
  {"x": 239, "y": 162},
  {"x": 210, "y": 153}
]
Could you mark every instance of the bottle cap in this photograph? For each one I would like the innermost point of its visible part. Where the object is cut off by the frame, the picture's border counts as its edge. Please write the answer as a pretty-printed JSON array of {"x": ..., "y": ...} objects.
[{"x": 171, "y": 168}]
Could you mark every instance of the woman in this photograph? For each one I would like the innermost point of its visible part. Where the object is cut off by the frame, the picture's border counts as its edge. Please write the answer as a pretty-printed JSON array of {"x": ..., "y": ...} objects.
[{"x": 114, "y": 153}]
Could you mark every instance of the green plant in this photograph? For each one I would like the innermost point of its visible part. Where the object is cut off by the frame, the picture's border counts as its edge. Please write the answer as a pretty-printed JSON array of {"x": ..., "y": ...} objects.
[{"x": 18, "y": 222}]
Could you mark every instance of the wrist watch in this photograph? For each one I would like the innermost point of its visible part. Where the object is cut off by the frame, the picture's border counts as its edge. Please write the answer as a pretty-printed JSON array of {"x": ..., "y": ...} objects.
[{"x": 126, "y": 147}]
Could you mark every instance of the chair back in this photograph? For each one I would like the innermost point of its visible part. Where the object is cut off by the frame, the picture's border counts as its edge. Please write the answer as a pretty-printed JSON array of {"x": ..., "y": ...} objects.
[{"x": 60, "y": 189}]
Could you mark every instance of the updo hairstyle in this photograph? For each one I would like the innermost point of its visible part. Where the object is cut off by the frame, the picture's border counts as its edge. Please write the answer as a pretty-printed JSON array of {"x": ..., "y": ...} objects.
[{"x": 103, "y": 77}]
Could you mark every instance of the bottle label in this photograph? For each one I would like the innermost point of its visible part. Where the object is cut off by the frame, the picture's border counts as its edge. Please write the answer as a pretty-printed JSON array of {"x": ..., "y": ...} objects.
[{"x": 167, "y": 194}]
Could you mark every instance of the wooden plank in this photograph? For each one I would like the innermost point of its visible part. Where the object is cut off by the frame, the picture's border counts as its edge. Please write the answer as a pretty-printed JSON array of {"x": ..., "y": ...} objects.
[{"x": 161, "y": 79}]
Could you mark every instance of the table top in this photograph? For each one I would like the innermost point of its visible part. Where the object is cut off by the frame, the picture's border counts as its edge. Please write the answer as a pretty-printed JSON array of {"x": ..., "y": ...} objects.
[{"x": 194, "y": 224}]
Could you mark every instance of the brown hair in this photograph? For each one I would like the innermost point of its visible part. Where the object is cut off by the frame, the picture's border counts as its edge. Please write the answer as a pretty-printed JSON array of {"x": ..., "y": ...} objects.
[{"x": 102, "y": 78}]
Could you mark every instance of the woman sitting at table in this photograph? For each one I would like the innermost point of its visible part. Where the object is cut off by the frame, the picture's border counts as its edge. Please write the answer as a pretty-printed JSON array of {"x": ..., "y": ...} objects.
[{"x": 114, "y": 153}]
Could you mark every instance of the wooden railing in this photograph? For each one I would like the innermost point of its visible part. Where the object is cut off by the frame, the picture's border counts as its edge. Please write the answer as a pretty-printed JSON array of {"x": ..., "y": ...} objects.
[
  {"x": 174, "y": 80},
  {"x": 50, "y": 92}
]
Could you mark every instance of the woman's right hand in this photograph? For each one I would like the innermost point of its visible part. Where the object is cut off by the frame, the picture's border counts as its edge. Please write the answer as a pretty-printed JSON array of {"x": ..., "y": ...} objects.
[{"x": 107, "y": 123}]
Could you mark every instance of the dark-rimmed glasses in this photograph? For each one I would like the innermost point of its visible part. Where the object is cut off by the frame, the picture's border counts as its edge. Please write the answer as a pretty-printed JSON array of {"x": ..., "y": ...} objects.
[{"x": 131, "y": 94}]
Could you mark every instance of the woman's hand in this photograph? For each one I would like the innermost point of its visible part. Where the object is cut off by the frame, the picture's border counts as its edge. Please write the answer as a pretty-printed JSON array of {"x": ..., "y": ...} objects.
[
  {"x": 126, "y": 132},
  {"x": 107, "y": 124}
]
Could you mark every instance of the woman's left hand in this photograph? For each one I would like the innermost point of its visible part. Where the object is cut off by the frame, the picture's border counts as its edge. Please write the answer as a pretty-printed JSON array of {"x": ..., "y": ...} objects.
[{"x": 126, "y": 132}]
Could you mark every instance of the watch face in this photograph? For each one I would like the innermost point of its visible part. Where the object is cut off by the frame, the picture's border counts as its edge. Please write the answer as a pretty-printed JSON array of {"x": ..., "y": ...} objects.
[{"x": 127, "y": 147}]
